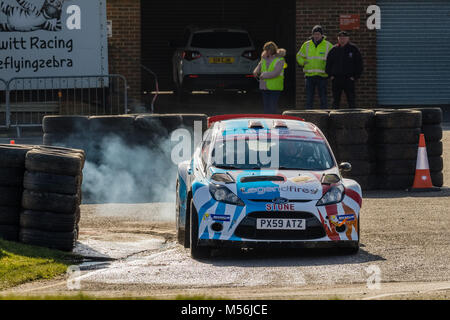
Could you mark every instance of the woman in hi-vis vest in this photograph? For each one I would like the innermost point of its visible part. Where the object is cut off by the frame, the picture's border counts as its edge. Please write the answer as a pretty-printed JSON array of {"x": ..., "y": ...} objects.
[{"x": 270, "y": 72}]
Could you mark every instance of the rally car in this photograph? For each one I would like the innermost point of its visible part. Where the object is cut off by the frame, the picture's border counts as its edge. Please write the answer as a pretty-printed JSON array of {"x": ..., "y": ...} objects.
[{"x": 265, "y": 180}]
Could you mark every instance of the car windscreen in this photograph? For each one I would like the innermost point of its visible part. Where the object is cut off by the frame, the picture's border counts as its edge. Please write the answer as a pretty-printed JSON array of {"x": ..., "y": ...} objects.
[
  {"x": 220, "y": 40},
  {"x": 284, "y": 154}
]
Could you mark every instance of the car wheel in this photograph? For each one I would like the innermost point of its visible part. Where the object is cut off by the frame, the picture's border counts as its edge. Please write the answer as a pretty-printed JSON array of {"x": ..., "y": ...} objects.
[
  {"x": 197, "y": 252},
  {"x": 180, "y": 234}
]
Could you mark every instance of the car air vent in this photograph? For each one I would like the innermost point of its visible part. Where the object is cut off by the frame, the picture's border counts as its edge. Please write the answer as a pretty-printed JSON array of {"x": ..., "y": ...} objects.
[{"x": 262, "y": 178}]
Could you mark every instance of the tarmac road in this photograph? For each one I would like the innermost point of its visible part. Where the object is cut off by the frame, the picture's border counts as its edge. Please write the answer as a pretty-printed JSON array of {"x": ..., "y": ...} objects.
[{"x": 405, "y": 244}]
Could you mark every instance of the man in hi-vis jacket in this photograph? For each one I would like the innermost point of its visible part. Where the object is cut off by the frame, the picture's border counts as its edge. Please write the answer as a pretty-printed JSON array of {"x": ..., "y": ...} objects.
[{"x": 313, "y": 57}]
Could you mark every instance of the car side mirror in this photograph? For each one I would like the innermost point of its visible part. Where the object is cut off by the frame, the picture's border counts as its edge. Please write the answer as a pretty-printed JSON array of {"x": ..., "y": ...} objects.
[{"x": 345, "y": 167}]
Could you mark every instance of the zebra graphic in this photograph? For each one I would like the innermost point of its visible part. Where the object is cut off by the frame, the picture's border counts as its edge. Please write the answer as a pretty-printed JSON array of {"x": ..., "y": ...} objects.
[{"x": 28, "y": 15}]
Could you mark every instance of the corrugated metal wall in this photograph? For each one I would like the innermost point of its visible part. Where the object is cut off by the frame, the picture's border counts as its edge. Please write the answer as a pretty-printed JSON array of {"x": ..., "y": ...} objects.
[
  {"x": 413, "y": 52},
  {"x": 163, "y": 21}
]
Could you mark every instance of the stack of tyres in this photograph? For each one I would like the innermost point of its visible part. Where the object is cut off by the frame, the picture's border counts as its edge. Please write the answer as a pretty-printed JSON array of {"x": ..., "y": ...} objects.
[
  {"x": 66, "y": 131},
  {"x": 349, "y": 132},
  {"x": 51, "y": 197},
  {"x": 12, "y": 167},
  {"x": 397, "y": 140},
  {"x": 319, "y": 117},
  {"x": 432, "y": 130},
  {"x": 107, "y": 130}
]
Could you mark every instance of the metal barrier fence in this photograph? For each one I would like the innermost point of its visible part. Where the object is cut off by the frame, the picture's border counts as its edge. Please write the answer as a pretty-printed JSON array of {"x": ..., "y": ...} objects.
[{"x": 25, "y": 101}]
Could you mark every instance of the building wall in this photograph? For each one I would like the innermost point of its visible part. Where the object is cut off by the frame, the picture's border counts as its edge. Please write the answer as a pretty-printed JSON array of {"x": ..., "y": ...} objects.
[
  {"x": 326, "y": 13},
  {"x": 125, "y": 44}
]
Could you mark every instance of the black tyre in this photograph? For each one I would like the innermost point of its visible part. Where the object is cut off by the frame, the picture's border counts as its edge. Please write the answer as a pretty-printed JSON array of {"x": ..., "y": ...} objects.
[
  {"x": 9, "y": 233},
  {"x": 396, "y": 151},
  {"x": 65, "y": 124},
  {"x": 397, "y": 136},
  {"x": 112, "y": 124},
  {"x": 56, "y": 240},
  {"x": 367, "y": 182},
  {"x": 150, "y": 129},
  {"x": 11, "y": 177},
  {"x": 360, "y": 168},
  {"x": 431, "y": 115},
  {"x": 396, "y": 167},
  {"x": 188, "y": 121},
  {"x": 349, "y": 153},
  {"x": 10, "y": 196},
  {"x": 63, "y": 150},
  {"x": 180, "y": 232},
  {"x": 351, "y": 136},
  {"x": 59, "y": 140},
  {"x": 434, "y": 149},
  {"x": 319, "y": 117},
  {"x": 50, "y": 202},
  {"x": 395, "y": 182},
  {"x": 404, "y": 118},
  {"x": 432, "y": 132},
  {"x": 9, "y": 216},
  {"x": 53, "y": 183},
  {"x": 197, "y": 252},
  {"x": 437, "y": 178},
  {"x": 54, "y": 162},
  {"x": 47, "y": 221},
  {"x": 351, "y": 118},
  {"x": 436, "y": 164},
  {"x": 13, "y": 156}
]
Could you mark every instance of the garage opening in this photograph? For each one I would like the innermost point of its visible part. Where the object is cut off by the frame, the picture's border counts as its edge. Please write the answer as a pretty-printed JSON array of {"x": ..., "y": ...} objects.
[{"x": 164, "y": 22}]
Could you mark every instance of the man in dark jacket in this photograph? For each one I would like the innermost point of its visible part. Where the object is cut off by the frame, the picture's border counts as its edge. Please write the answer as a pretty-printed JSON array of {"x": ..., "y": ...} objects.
[{"x": 344, "y": 67}]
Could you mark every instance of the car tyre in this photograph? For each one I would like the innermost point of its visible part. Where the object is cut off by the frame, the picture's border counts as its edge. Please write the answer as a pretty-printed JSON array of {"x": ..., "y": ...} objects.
[
  {"x": 197, "y": 252},
  {"x": 180, "y": 233}
]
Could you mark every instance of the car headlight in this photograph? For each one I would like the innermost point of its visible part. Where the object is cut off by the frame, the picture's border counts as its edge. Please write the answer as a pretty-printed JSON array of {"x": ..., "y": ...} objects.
[
  {"x": 334, "y": 195},
  {"x": 223, "y": 194}
]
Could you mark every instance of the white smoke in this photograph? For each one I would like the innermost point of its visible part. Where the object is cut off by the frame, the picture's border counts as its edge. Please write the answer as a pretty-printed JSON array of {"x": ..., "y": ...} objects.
[{"x": 126, "y": 173}]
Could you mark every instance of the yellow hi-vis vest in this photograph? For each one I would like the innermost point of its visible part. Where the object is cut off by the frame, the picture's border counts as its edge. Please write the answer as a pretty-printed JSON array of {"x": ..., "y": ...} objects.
[
  {"x": 315, "y": 56},
  {"x": 276, "y": 83}
]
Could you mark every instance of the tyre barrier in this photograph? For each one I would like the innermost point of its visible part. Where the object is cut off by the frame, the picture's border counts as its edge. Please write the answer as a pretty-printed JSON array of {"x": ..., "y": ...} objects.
[
  {"x": 352, "y": 134},
  {"x": 40, "y": 193},
  {"x": 12, "y": 168},
  {"x": 382, "y": 144},
  {"x": 51, "y": 197},
  {"x": 432, "y": 130},
  {"x": 114, "y": 143},
  {"x": 319, "y": 117},
  {"x": 383, "y": 138}
]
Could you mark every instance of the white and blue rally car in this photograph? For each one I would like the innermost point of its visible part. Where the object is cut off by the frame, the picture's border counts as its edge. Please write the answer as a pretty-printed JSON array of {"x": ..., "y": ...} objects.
[{"x": 265, "y": 180}]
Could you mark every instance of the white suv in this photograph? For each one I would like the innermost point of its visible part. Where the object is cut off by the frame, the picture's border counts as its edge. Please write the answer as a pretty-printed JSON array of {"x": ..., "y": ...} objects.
[{"x": 211, "y": 59}]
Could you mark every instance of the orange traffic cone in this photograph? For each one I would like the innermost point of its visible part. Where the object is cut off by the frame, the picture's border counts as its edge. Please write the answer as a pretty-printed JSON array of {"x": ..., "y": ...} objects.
[{"x": 422, "y": 179}]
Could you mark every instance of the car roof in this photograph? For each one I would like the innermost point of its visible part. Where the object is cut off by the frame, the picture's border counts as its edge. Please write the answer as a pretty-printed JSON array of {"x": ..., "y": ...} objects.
[{"x": 292, "y": 127}]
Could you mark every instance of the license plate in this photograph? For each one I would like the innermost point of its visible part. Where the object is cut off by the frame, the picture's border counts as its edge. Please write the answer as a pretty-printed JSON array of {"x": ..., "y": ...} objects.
[
  {"x": 221, "y": 60},
  {"x": 281, "y": 224}
]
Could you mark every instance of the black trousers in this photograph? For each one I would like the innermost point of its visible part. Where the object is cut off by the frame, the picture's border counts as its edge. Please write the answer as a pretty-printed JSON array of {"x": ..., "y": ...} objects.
[{"x": 348, "y": 86}]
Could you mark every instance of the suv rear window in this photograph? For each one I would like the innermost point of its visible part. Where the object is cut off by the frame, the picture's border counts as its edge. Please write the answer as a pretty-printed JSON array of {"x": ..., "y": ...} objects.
[{"x": 220, "y": 40}]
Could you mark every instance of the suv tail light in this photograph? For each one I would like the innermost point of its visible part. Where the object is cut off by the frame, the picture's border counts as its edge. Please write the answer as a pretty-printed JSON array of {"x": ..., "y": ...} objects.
[
  {"x": 191, "y": 55},
  {"x": 252, "y": 54}
]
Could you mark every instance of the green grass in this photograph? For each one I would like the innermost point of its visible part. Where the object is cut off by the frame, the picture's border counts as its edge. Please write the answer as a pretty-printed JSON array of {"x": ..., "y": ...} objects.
[{"x": 20, "y": 263}]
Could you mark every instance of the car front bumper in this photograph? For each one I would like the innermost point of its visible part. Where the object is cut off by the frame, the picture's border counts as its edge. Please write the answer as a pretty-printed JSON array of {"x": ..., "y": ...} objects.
[{"x": 279, "y": 244}]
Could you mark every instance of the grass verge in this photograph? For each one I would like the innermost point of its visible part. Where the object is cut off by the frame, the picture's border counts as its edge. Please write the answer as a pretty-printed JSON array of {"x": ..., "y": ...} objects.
[
  {"x": 20, "y": 263},
  {"x": 83, "y": 296}
]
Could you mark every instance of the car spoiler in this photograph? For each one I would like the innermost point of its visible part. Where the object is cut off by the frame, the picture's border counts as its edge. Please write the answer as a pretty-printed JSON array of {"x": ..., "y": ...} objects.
[{"x": 213, "y": 119}]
